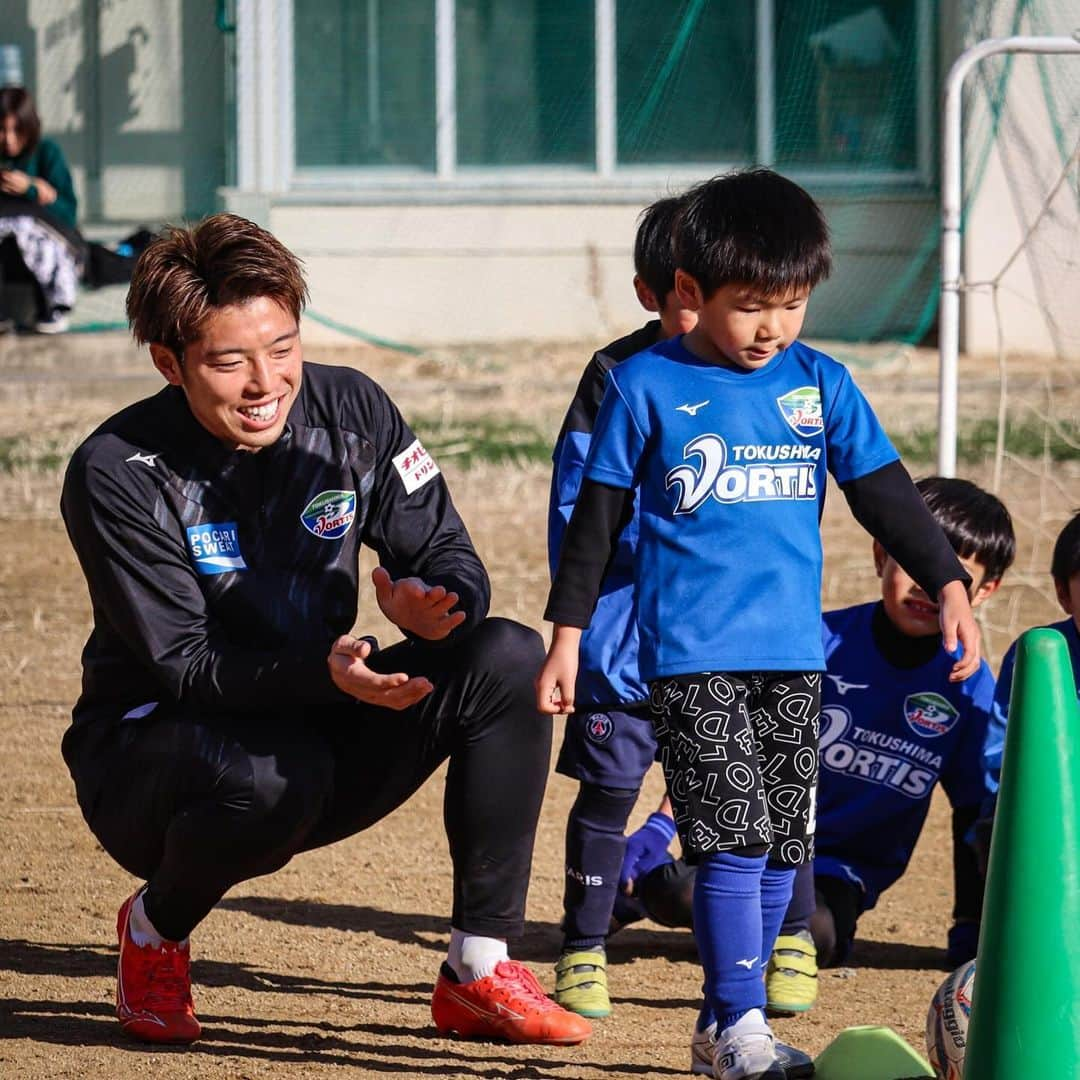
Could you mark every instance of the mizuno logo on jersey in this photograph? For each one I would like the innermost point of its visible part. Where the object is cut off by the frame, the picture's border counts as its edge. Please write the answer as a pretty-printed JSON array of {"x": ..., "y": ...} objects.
[
  {"x": 143, "y": 459},
  {"x": 843, "y": 687},
  {"x": 691, "y": 410},
  {"x": 215, "y": 549},
  {"x": 709, "y": 474}
]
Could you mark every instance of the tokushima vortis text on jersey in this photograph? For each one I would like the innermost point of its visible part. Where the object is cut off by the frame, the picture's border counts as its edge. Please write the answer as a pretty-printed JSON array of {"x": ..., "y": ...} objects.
[
  {"x": 888, "y": 735},
  {"x": 731, "y": 470}
]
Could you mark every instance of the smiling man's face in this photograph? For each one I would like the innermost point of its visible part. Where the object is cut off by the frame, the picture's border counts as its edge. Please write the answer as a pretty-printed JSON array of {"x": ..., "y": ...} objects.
[{"x": 243, "y": 373}]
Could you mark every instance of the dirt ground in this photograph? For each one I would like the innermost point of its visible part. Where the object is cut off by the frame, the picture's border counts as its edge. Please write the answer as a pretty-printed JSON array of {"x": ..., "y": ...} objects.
[{"x": 326, "y": 968}]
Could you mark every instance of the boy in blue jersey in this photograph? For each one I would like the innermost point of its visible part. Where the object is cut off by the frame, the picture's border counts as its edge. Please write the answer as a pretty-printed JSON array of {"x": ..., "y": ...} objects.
[
  {"x": 893, "y": 727},
  {"x": 609, "y": 745},
  {"x": 725, "y": 435},
  {"x": 1065, "y": 570}
]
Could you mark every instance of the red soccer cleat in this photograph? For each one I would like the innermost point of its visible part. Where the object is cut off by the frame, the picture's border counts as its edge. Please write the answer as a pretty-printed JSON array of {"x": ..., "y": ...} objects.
[
  {"x": 508, "y": 1004},
  {"x": 153, "y": 987}
]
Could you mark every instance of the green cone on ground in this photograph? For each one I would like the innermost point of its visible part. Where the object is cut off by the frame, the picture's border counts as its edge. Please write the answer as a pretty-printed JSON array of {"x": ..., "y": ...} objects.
[{"x": 1025, "y": 1019}]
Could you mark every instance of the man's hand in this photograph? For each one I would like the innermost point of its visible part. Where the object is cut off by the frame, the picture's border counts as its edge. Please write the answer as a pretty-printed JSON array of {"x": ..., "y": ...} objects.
[
  {"x": 353, "y": 677},
  {"x": 958, "y": 625},
  {"x": 414, "y": 606},
  {"x": 555, "y": 683}
]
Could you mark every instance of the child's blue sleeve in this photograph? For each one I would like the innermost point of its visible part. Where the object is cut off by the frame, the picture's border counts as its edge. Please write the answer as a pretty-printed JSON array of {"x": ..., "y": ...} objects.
[
  {"x": 856, "y": 443},
  {"x": 567, "y": 473},
  {"x": 617, "y": 443},
  {"x": 964, "y": 778},
  {"x": 994, "y": 746}
]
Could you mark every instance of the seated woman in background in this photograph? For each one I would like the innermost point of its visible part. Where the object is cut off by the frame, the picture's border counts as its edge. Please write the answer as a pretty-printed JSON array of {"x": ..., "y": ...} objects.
[{"x": 38, "y": 240}]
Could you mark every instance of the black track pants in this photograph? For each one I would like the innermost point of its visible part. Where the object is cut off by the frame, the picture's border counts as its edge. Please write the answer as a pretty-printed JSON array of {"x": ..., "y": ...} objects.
[{"x": 195, "y": 804}]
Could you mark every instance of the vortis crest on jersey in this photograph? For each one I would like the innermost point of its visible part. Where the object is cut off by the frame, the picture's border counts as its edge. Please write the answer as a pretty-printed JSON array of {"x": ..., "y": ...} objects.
[
  {"x": 929, "y": 714},
  {"x": 710, "y": 474},
  {"x": 802, "y": 410}
]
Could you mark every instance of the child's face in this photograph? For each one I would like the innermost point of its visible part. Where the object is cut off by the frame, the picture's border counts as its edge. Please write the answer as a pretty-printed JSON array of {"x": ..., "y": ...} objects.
[
  {"x": 736, "y": 326},
  {"x": 674, "y": 318},
  {"x": 909, "y": 609},
  {"x": 1068, "y": 594}
]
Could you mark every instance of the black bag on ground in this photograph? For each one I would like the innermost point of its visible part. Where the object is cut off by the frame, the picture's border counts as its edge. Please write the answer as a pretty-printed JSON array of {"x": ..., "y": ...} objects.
[{"x": 113, "y": 264}]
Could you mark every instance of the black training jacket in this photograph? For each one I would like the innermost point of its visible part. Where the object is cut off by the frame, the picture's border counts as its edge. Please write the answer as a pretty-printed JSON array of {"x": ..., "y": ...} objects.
[{"x": 219, "y": 578}]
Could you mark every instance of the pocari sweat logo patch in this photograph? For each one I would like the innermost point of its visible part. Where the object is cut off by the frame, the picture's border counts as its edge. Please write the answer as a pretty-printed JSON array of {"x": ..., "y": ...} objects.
[
  {"x": 215, "y": 548},
  {"x": 329, "y": 514},
  {"x": 929, "y": 714},
  {"x": 802, "y": 410}
]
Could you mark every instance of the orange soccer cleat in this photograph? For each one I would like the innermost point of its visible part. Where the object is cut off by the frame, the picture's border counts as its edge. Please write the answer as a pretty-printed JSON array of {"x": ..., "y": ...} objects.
[
  {"x": 153, "y": 987},
  {"x": 508, "y": 1004}
]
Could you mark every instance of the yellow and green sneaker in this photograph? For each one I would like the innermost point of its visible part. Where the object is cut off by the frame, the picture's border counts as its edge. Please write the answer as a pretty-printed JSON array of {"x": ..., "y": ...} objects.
[
  {"x": 791, "y": 981},
  {"x": 581, "y": 983}
]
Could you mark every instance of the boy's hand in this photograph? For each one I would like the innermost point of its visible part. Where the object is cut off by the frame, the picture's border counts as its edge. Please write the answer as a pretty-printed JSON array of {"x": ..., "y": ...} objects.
[
  {"x": 958, "y": 626},
  {"x": 646, "y": 849},
  {"x": 555, "y": 682},
  {"x": 412, "y": 605}
]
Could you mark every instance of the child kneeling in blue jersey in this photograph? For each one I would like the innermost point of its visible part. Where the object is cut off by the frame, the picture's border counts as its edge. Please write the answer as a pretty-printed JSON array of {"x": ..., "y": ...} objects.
[
  {"x": 1065, "y": 571},
  {"x": 609, "y": 744},
  {"x": 893, "y": 727},
  {"x": 725, "y": 435}
]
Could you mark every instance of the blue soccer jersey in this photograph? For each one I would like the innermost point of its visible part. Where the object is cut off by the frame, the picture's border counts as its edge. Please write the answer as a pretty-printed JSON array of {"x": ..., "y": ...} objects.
[
  {"x": 608, "y": 658},
  {"x": 995, "y": 739},
  {"x": 888, "y": 736},
  {"x": 730, "y": 471}
]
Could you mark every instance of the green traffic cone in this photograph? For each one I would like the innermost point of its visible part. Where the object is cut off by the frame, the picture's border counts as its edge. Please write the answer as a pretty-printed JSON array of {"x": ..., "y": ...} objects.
[
  {"x": 869, "y": 1053},
  {"x": 1025, "y": 1015}
]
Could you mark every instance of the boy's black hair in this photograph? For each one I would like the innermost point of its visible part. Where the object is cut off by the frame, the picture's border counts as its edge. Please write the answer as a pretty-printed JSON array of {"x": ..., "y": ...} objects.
[
  {"x": 756, "y": 228},
  {"x": 1066, "y": 560},
  {"x": 654, "y": 257},
  {"x": 975, "y": 522}
]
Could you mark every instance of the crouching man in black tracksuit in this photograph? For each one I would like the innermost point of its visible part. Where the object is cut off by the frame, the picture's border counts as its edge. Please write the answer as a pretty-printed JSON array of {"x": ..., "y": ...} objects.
[{"x": 228, "y": 718}]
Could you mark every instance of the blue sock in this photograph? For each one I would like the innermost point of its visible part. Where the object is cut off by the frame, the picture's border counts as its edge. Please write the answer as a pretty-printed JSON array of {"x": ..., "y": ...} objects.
[
  {"x": 776, "y": 885},
  {"x": 801, "y": 908},
  {"x": 728, "y": 930}
]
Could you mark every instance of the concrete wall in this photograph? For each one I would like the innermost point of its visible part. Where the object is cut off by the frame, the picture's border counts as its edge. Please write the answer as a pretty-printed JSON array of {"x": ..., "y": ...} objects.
[
  {"x": 133, "y": 90},
  {"x": 1009, "y": 236},
  {"x": 428, "y": 274}
]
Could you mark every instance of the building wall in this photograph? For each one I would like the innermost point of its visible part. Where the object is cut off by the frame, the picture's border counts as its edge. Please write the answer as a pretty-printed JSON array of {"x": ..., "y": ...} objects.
[
  {"x": 133, "y": 90},
  {"x": 428, "y": 274}
]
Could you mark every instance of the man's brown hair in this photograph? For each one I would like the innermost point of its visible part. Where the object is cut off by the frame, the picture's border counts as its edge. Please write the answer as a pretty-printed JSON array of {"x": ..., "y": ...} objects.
[{"x": 187, "y": 273}]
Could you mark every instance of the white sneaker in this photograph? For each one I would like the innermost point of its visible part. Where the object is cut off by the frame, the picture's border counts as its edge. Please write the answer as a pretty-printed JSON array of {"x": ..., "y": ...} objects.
[
  {"x": 744, "y": 1051},
  {"x": 794, "y": 1064},
  {"x": 56, "y": 323}
]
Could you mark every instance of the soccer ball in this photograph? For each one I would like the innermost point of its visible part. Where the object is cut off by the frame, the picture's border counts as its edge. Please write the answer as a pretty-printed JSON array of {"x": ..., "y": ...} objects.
[{"x": 947, "y": 1022}]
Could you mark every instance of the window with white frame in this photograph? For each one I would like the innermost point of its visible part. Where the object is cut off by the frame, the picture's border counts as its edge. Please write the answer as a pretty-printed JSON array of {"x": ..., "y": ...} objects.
[{"x": 456, "y": 88}]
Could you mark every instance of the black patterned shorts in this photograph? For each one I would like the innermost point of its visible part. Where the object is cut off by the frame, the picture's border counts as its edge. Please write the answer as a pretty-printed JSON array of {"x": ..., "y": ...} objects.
[{"x": 739, "y": 752}]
